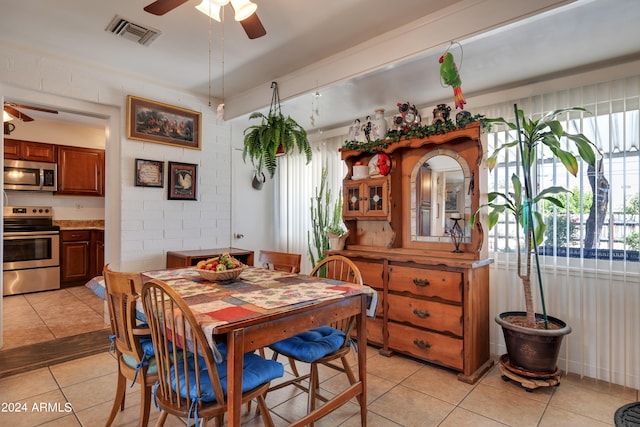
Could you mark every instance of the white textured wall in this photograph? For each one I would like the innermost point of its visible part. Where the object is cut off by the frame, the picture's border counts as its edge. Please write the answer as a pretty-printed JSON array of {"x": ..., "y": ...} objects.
[{"x": 141, "y": 224}]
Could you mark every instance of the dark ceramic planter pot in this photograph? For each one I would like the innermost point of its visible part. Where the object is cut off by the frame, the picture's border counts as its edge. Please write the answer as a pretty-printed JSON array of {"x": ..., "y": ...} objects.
[{"x": 533, "y": 350}]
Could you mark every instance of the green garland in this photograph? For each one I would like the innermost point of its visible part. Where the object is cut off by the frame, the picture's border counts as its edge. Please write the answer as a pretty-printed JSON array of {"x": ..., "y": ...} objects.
[{"x": 414, "y": 131}]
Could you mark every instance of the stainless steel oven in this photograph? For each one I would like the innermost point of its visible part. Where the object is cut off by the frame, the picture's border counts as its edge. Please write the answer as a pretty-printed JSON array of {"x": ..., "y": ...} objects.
[{"x": 31, "y": 250}]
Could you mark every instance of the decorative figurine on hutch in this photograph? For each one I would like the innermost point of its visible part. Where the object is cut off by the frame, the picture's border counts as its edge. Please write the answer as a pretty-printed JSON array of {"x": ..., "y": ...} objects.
[
  {"x": 451, "y": 77},
  {"x": 409, "y": 114},
  {"x": 366, "y": 129},
  {"x": 441, "y": 113},
  {"x": 355, "y": 132}
]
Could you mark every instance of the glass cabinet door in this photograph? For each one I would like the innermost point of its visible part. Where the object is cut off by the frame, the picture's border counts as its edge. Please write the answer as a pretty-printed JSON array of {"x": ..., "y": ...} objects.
[{"x": 366, "y": 198}]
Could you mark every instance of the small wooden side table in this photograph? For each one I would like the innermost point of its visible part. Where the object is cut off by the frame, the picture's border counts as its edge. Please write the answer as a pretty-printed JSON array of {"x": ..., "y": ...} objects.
[{"x": 188, "y": 258}]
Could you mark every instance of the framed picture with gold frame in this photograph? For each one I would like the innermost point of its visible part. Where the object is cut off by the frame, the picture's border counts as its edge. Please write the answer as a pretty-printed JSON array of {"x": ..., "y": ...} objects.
[
  {"x": 149, "y": 173},
  {"x": 152, "y": 121}
]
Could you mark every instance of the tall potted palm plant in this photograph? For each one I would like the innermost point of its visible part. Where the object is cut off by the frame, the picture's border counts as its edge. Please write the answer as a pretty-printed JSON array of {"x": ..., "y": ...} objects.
[
  {"x": 533, "y": 339},
  {"x": 275, "y": 135}
]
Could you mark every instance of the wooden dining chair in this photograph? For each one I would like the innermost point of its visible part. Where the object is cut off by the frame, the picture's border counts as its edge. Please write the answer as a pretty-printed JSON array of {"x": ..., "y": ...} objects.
[
  {"x": 281, "y": 261},
  {"x": 321, "y": 345},
  {"x": 132, "y": 341},
  {"x": 191, "y": 384}
]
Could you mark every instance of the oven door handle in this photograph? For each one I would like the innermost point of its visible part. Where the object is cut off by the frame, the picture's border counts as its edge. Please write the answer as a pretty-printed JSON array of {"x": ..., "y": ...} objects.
[{"x": 12, "y": 235}]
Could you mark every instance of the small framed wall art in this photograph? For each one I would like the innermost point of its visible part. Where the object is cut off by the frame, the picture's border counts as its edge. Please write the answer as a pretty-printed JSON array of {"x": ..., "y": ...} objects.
[
  {"x": 183, "y": 180},
  {"x": 149, "y": 173},
  {"x": 152, "y": 121}
]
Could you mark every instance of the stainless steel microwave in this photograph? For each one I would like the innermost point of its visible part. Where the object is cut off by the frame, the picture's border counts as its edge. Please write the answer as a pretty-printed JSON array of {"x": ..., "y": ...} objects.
[{"x": 30, "y": 176}]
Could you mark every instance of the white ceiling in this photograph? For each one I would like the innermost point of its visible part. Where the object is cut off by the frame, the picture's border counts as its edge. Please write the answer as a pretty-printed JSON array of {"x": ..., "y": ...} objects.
[{"x": 359, "y": 54}]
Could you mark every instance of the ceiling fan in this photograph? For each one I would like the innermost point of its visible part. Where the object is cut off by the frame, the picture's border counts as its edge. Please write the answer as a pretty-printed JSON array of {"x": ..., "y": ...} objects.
[
  {"x": 12, "y": 109},
  {"x": 244, "y": 12}
]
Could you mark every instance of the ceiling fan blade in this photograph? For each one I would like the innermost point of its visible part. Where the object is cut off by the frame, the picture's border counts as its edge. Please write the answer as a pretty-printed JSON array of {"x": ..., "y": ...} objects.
[
  {"x": 17, "y": 114},
  {"x": 31, "y": 107},
  {"x": 160, "y": 7},
  {"x": 253, "y": 27}
]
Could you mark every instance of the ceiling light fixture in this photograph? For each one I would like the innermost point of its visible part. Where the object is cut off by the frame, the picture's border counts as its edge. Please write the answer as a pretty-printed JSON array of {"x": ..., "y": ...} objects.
[
  {"x": 243, "y": 8},
  {"x": 210, "y": 8}
]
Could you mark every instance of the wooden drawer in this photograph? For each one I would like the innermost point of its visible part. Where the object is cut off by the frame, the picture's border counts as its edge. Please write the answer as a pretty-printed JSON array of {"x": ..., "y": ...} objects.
[
  {"x": 371, "y": 273},
  {"x": 425, "y": 345},
  {"x": 374, "y": 331},
  {"x": 446, "y": 285},
  {"x": 436, "y": 316},
  {"x": 75, "y": 235}
]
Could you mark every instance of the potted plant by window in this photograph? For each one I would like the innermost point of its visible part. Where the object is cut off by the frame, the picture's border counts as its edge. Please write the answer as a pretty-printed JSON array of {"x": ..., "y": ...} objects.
[
  {"x": 275, "y": 135},
  {"x": 533, "y": 339}
]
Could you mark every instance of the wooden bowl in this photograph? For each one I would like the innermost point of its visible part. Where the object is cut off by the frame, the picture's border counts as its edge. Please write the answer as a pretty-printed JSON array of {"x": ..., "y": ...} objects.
[{"x": 221, "y": 276}]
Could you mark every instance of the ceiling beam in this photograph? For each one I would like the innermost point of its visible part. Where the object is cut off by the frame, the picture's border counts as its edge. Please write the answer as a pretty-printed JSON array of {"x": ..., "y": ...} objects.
[{"x": 460, "y": 21}]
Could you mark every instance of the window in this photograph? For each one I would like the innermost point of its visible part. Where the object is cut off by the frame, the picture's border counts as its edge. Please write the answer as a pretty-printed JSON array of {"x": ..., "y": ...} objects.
[{"x": 605, "y": 226}]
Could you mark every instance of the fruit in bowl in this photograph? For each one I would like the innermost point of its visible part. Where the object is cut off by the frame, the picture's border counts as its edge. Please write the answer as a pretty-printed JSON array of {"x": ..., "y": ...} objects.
[{"x": 224, "y": 267}]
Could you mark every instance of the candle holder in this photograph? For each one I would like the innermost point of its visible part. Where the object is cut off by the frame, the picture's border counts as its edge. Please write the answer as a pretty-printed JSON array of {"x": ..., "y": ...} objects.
[{"x": 456, "y": 233}]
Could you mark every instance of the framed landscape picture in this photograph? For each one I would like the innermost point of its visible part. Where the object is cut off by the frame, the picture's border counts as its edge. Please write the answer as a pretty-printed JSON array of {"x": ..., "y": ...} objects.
[
  {"x": 182, "y": 181},
  {"x": 152, "y": 121},
  {"x": 149, "y": 173}
]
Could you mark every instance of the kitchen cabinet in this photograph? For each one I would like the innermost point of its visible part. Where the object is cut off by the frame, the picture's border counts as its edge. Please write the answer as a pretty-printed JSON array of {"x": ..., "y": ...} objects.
[
  {"x": 75, "y": 249},
  {"x": 81, "y": 256},
  {"x": 96, "y": 253},
  {"x": 28, "y": 150},
  {"x": 433, "y": 304},
  {"x": 80, "y": 171}
]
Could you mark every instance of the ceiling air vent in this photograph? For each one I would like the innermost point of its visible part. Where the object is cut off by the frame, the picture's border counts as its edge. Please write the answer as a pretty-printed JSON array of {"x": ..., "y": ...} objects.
[{"x": 135, "y": 32}]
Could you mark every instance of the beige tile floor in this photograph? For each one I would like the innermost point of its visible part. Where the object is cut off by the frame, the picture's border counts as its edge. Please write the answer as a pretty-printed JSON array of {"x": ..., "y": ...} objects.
[
  {"x": 44, "y": 316},
  {"x": 400, "y": 391}
]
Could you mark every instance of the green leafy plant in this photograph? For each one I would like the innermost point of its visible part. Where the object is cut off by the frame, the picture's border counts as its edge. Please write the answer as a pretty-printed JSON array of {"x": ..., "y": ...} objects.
[
  {"x": 520, "y": 201},
  {"x": 276, "y": 134}
]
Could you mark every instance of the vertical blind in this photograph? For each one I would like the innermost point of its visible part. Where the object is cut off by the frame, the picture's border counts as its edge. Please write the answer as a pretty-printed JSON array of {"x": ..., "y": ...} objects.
[{"x": 596, "y": 292}]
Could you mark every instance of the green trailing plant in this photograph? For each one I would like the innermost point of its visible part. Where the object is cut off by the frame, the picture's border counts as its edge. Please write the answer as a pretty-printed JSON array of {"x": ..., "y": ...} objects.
[
  {"x": 521, "y": 201},
  {"x": 276, "y": 134}
]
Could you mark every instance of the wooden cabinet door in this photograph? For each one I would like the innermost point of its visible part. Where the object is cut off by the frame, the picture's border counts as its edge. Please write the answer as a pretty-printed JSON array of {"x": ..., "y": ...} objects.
[
  {"x": 97, "y": 253},
  {"x": 80, "y": 171},
  {"x": 31, "y": 151},
  {"x": 366, "y": 199},
  {"x": 11, "y": 149},
  {"x": 74, "y": 261}
]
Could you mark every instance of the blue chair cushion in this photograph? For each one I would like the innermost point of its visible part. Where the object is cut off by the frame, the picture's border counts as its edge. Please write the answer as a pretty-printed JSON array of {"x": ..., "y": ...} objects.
[
  {"x": 256, "y": 371},
  {"x": 311, "y": 345},
  {"x": 131, "y": 362}
]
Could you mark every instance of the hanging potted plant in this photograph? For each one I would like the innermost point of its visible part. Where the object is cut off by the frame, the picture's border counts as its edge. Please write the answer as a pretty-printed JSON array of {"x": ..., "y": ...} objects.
[
  {"x": 275, "y": 135},
  {"x": 533, "y": 339}
]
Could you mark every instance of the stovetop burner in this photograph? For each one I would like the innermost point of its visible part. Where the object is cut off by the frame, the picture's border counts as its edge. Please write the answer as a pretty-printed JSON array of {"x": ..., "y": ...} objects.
[{"x": 29, "y": 218}]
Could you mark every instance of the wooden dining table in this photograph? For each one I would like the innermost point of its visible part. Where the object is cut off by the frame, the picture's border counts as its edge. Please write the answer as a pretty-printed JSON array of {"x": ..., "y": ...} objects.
[{"x": 263, "y": 306}]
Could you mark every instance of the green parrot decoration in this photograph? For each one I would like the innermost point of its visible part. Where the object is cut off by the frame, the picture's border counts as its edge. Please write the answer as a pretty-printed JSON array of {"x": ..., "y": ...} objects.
[{"x": 451, "y": 77}]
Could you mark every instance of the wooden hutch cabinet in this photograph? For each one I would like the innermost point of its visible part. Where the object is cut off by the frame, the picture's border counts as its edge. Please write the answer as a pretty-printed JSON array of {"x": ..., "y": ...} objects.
[{"x": 433, "y": 302}]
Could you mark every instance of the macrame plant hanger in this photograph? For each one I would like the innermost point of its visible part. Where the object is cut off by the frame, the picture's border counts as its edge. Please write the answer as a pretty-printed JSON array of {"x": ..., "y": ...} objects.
[{"x": 275, "y": 100}]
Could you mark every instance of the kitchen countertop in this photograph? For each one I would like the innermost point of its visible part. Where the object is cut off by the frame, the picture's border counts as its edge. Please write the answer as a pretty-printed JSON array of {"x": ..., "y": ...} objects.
[{"x": 79, "y": 224}]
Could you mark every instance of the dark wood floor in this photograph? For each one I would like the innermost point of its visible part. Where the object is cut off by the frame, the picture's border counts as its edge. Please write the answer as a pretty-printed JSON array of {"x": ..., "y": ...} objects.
[{"x": 29, "y": 357}]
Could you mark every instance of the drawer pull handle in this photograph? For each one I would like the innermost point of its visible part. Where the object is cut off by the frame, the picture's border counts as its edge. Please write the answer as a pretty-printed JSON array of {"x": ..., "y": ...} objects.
[
  {"x": 421, "y": 313},
  {"x": 421, "y": 282},
  {"x": 422, "y": 344}
]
